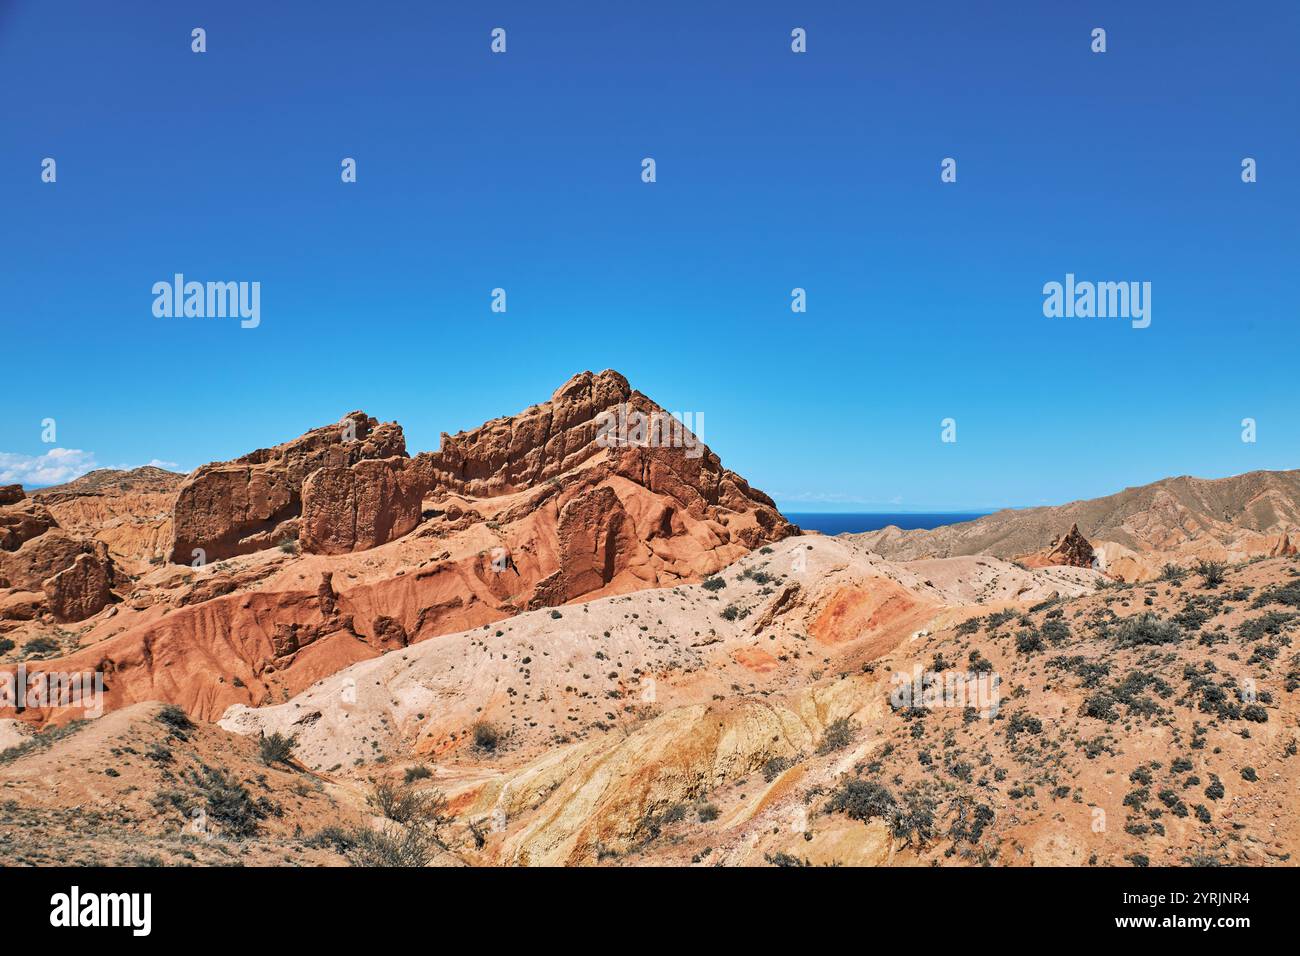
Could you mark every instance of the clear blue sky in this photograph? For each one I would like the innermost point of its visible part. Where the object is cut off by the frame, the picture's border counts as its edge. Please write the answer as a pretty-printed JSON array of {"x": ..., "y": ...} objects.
[{"x": 775, "y": 170}]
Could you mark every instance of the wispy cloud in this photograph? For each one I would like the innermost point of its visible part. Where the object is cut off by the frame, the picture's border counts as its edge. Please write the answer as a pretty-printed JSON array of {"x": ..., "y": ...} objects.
[
  {"x": 57, "y": 466},
  {"x": 54, "y": 467}
]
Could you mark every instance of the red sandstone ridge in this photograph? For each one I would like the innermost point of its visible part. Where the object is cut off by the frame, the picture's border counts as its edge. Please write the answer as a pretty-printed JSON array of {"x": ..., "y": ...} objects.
[
  {"x": 533, "y": 510},
  {"x": 237, "y": 507}
]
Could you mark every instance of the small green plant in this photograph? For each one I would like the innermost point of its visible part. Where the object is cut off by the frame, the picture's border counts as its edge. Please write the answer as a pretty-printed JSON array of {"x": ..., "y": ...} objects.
[
  {"x": 776, "y": 766},
  {"x": 418, "y": 772},
  {"x": 837, "y": 735},
  {"x": 176, "y": 721},
  {"x": 276, "y": 748},
  {"x": 39, "y": 647},
  {"x": 1213, "y": 573}
]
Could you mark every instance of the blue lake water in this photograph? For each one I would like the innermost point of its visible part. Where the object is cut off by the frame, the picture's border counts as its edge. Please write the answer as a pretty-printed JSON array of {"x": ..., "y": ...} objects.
[{"x": 855, "y": 523}]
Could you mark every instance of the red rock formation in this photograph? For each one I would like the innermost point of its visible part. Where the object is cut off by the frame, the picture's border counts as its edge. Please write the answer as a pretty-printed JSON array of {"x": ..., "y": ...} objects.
[
  {"x": 237, "y": 507},
  {"x": 1071, "y": 550},
  {"x": 374, "y": 501},
  {"x": 22, "y": 520},
  {"x": 74, "y": 574},
  {"x": 83, "y": 587},
  {"x": 530, "y": 511}
]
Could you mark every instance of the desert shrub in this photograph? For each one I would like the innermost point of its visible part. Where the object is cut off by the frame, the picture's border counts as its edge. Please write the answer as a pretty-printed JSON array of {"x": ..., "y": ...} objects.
[
  {"x": 40, "y": 740},
  {"x": 776, "y": 766},
  {"x": 289, "y": 546},
  {"x": 393, "y": 846},
  {"x": 1028, "y": 641},
  {"x": 730, "y": 612},
  {"x": 39, "y": 647},
  {"x": 403, "y": 804},
  {"x": 998, "y": 618},
  {"x": 1287, "y": 594},
  {"x": 418, "y": 772},
  {"x": 969, "y": 822},
  {"x": 1100, "y": 705},
  {"x": 1023, "y": 723},
  {"x": 1147, "y": 629},
  {"x": 713, "y": 584},
  {"x": 1213, "y": 573},
  {"x": 1266, "y": 625},
  {"x": 1249, "y": 774},
  {"x": 673, "y": 813},
  {"x": 1056, "y": 630},
  {"x": 176, "y": 721},
  {"x": 486, "y": 736},
  {"x": 332, "y": 838},
  {"x": 707, "y": 812},
  {"x": 1172, "y": 573},
  {"x": 784, "y": 859},
  {"x": 837, "y": 735},
  {"x": 912, "y": 821},
  {"x": 159, "y": 752},
  {"x": 276, "y": 748},
  {"x": 6, "y": 645},
  {"x": 228, "y": 801},
  {"x": 1089, "y": 671},
  {"x": 862, "y": 800}
]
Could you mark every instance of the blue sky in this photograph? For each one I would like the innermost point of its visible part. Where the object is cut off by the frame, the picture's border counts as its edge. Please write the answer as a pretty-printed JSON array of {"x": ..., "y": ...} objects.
[{"x": 775, "y": 171}]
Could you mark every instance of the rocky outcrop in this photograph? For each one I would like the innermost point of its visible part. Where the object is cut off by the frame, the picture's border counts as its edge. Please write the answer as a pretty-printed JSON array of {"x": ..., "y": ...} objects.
[
  {"x": 21, "y": 520},
  {"x": 82, "y": 588},
  {"x": 231, "y": 508},
  {"x": 75, "y": 574},
  {"x": 597, "y": 541},
  {"x": 556, "y": 504},
  {"x": 353, "y": 508},
  {"x": 522, "y": 451},
  {"x": 1071, "y": 550}
]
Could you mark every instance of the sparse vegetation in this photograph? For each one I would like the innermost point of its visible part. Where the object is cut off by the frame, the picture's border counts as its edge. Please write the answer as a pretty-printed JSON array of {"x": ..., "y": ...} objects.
[
  {"x": 837, "y": 735},
  {"x": 276, "y": 748},
  {"x": 486, "y": 736}
]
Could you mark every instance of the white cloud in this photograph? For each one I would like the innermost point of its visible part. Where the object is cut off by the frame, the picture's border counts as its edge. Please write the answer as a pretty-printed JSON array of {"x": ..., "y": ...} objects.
[
  {"x": 59, "y": 465},
  {"x": 53, "y": 468}
]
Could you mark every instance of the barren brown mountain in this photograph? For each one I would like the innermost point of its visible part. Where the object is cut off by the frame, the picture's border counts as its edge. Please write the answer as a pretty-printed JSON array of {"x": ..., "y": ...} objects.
[{"x": 1136, "y": 531}]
